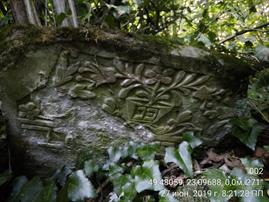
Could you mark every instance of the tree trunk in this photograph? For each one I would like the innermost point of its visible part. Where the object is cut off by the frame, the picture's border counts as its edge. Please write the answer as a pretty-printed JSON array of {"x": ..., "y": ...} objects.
[
  {"x": 31, "y": 12},
  {"x": 74, "y": 13},
  {"x": 19, "y": 11}
]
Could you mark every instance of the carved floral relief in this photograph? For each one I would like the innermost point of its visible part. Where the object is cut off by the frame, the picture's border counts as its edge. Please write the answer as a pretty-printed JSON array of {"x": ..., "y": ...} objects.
[{"x": 167, "y": 101}]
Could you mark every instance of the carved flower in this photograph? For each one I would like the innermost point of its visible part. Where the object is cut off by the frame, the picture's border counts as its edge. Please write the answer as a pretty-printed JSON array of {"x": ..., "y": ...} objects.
[
  {"x": 93, "y": 71},
  {"x": 29, "y": 110},
  {"x": 154, "y": 75}
]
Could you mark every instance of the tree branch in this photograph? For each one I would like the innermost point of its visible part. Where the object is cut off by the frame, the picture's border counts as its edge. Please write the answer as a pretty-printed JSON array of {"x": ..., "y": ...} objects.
[{"x": 244, "y": 31}]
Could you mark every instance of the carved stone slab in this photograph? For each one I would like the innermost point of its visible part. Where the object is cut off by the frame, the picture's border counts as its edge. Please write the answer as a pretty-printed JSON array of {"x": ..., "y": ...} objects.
[{"x": 65, "y": 100}]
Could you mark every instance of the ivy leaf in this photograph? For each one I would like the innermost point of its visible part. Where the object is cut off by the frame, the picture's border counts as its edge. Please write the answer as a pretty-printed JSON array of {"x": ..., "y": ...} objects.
[
  {"x": 79, "y": 187},
  {"x": 48, "y": 194},
  {"x": 237, "y": 182},
  {"x": 192, "y": 140},
  {"x": 63, "y": 194},
  {"x": 5, "y": 177},
  {"x": 61, "y": 175},
  {"x": 247, "y": 131},
  {"x": 249, "y": 187},
  {"x": 124, "y": 187},
  {"x": 181, "y": 157},
  {"x": 144, "y": 176},
  {"x": 219, "y": 177},
  {"x": 251, "y": 164},
  {"x": 29, "y": 191},
  {"x": 115, "y": 170},
  {"x": 115, "y": 154},
  {"x": 17, "y": 185},
  {"x": 147, "y": 151},
  {"x": 90, "y": 167},
  {"x": 60, "y": 18}
]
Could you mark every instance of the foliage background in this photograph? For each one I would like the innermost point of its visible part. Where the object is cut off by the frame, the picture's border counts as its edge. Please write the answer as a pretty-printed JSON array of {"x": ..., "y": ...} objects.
[{"x": 204, "y": 23}]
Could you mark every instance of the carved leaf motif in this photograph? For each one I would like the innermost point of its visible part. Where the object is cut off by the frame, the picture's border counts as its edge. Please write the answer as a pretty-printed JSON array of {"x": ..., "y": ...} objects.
[
  {"x": 80, "y": 78},
  {"x": 150, "y": 74},
  {"x": 129, "y": 69},
  {"x": 29, "y": 110},
  {"x": 179, "y": 76},
  {"x": 139, "y": 70},
  {"x": 185, "y": 91},
  {"x": 119, "y": 65},
  {"x": 81, "y": 91},
  {"x": 184, "y": 116},
  {"x": 84, "y": 69},
  {"x": 124, "y": 91},
  {"x": 109, "y": 105},
  {"x": 166, "y": 80},
  {"x": 186, "y": 80},
  {"x": 142, "y": 94},
  {"x": 99, "y": 75},
  {"x": 126, "y": 82},
  {"x": 203, "y": 93},
  {"x": 168, "y": 72},
  {"x": 164, "y": 97},
  {"x": 200, "y": 81},
  {"x": 150, "y": 81}
]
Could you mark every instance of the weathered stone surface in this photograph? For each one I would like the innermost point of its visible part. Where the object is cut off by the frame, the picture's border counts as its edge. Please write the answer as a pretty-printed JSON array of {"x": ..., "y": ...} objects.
[
  {"x": 3, "y": 144},
  {"x": 71, "y": 91}
]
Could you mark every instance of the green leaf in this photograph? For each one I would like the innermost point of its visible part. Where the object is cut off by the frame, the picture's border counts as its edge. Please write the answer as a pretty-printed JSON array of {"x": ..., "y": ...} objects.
[
  {"x": 121, "y": 152},
  {"x": 79, "y": 187},
  {"x": 90, "y": 167},
  {"x": 63, "y": 194},
  {"x": 238, "y": 182},
  {"x": 60, "y": 18},
  {"x": 115, "y": 171},
  {"x": 124, "y": 187},
  {"x": 181, "y": 157},
  {"x": 192, "y": 140},
  {"x": 48, "y": 194},
  {"x": 144, "y": 176},
  {"x": 5, "y": 177},
  {"x": 218, "y": 176},
  {"x": 251, "y": 164},
  {"x": 116, "y": 153},
  {"x": 247, "y": 131},
  {"x": 17, "y": 185},
  {"x": 248, "y": 187},
  {"x": 29, "y": 191},
  {"x": 61, "y": 175},
  {"x": 147, "y": 151}
]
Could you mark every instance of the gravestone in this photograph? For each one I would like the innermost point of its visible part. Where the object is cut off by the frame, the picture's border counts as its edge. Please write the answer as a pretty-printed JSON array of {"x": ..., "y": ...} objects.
[{"x": 67, "y": 93}]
